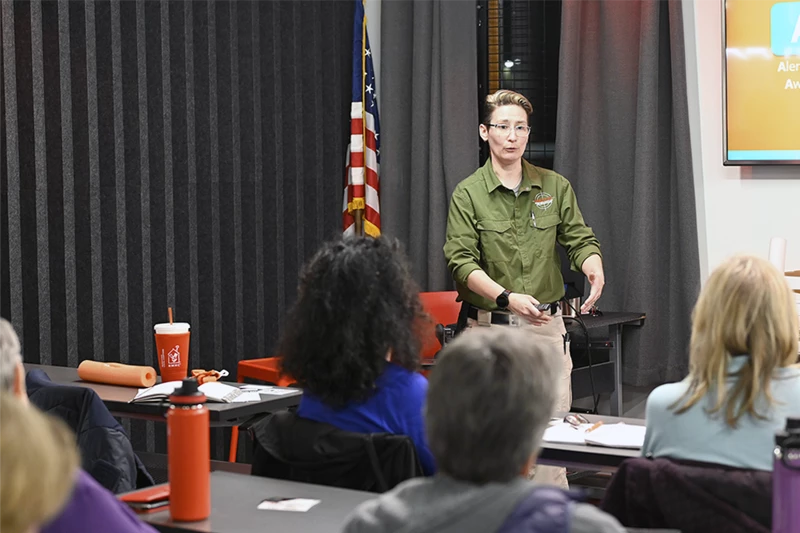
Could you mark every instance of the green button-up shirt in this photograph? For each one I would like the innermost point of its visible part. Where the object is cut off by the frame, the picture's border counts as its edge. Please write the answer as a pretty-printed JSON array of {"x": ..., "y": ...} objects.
[{"x": 512, "y": 238}]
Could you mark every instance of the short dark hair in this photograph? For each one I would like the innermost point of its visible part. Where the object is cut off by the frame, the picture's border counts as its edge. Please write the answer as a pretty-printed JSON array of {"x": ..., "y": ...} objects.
[
  {"x": 356, "y": 303},
  {"x": 490, "y": 398}
]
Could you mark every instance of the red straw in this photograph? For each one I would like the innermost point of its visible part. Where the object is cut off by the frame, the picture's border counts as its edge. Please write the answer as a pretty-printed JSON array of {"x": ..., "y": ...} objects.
[{"x": 169, "y": 310}]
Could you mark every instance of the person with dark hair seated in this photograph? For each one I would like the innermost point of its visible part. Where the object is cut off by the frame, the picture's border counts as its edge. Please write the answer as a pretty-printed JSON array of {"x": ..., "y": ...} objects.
[
  {"x": 350, "y": 342},
  {"x": 490, "y": 399}
]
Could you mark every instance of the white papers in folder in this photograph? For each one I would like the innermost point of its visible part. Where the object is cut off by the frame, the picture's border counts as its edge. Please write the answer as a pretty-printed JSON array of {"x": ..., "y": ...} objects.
[
  {"x": 214, "y": 391},
  {"x": 618, "y": 435}
]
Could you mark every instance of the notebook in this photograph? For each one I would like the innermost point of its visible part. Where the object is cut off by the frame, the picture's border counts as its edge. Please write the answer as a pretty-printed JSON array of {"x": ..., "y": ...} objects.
[
  {"x": 618, "y": 435},
  {"x": 214, "y": 391},
  {"x": 563, "y": 433}
]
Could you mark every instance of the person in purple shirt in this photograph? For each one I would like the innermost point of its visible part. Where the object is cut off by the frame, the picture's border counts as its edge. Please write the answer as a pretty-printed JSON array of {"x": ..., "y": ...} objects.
[
  {"x": 37, "y": 465},
  {"x": 90, "y": 508},
  {"x": 351, "y": 342},
  {"x": 94, "y": 509}
]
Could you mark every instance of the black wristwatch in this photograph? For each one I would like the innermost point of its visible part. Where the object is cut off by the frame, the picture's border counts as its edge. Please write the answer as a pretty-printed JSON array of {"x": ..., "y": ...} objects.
[{"x": 502, "y": 300}]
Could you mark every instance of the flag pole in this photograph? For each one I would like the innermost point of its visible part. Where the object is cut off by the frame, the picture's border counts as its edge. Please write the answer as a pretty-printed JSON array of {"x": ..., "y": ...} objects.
[{"x": 360, "y": 212}]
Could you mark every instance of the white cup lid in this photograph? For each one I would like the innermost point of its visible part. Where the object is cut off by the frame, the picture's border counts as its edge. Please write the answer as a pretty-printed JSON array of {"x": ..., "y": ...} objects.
[{"x": 177, "y": 327}]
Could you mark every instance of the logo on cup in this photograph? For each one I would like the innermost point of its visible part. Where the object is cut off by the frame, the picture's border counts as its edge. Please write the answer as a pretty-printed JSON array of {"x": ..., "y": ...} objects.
[{"x": 174, "y": 357}]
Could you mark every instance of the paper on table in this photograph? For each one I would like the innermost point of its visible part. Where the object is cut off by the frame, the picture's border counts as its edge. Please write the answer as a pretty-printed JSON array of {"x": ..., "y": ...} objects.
[
  {"x": 247, "y": 396},
  {"x": 297, "y": 505},
  {"x": 268, "y": 389},
  {"x": 617, "y": 436},
  {"x": 215, "y": 391},
  {"x": 157, "y": 392},
  {"x": 563, "y": 433}
]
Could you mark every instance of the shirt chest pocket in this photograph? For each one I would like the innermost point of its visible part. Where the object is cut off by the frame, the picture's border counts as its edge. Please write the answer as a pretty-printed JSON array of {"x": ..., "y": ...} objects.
[
  {"x": 545, "y": 229},
  {"x": 496, "y": 240},
  {"x": 546, "y": 222}
]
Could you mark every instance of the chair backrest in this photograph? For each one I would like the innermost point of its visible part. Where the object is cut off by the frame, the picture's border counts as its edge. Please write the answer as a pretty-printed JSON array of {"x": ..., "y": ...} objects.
[
  {"x": 443, "y": 309},
  {"x": 289, "y": 447},
  {"x": 106, "y": 451},
  {"x": 690, "y": 496}
]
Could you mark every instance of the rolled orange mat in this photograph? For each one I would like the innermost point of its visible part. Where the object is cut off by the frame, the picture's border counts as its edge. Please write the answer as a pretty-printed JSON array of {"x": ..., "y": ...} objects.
[{"x": 117, "y": 374}]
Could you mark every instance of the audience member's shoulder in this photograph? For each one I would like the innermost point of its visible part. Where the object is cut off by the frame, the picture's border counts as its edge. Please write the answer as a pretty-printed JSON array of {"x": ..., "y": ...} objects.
[
  {"x": 387, "y": 513},
  {"x": 587, "y": 518},
  {"x": 87, "y": 488},
  {"x": 91, "y": 504},
  {"x": 665, "y": 395},
  {"x": 406, "y": 377}
]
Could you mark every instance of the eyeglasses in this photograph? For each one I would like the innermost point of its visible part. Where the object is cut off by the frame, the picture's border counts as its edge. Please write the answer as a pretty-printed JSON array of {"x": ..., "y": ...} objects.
[
  {"x": 505, "y": 129},
  {"x": 576, "y": 420}
]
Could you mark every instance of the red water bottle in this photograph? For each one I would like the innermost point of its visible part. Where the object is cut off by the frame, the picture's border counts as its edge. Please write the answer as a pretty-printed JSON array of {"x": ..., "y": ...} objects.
[{"x": 189, "y": 454}]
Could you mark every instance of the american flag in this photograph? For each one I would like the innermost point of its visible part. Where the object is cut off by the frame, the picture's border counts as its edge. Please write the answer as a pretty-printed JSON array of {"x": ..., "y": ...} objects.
[{"x": 361, "y": 189}]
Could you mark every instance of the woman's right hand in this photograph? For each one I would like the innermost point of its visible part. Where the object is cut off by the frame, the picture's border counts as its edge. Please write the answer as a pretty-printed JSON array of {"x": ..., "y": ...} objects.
[{"x": 524, "y": 305}]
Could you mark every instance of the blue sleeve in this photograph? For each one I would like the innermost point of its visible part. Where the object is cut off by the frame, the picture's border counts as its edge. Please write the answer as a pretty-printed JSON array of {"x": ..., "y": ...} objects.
[{"x": 415, "y": 421}]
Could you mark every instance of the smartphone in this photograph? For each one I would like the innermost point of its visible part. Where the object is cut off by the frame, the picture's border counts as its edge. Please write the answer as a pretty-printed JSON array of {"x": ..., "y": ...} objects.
[
  {"x": 148, "y": 499},
  {"x": 141, "y": 507},
  {"x": 543, "y": 307}
]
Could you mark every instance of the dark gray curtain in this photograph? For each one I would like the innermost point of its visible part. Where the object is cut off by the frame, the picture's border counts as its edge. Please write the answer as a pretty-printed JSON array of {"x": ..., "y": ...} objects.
[
  {"x": 185, "y": 154},
  {"x": 429, "y": 123},
  {"x": 623, "y": 141}
]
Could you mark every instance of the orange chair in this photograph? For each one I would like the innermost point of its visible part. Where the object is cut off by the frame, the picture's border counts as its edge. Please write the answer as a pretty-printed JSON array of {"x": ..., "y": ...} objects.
[
  {"x": 265, "y": 369},
  {"x": 443, "y": 309}
]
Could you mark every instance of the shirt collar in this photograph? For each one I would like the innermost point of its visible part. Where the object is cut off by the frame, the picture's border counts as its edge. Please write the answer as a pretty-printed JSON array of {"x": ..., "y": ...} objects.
[{"x": 531, "y": 177}]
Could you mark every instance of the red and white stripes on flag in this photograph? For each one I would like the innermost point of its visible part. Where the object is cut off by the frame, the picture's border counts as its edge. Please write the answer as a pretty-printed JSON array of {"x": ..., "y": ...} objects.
[{"x": 362, "y": 185}]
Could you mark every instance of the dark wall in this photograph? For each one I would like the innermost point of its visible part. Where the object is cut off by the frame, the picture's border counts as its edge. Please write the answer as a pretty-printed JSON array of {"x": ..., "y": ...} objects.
[{"x": 185, "y": 154}]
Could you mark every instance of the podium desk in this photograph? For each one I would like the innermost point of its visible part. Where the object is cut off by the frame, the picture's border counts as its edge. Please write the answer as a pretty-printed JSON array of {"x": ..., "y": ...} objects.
[{"x": 614, "y": 322}]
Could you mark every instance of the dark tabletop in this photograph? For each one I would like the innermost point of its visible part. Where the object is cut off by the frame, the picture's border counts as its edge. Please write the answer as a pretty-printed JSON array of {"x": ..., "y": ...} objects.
[
  {"x": 116, "y": 398},
  {"x": 234, "y": 501},
  {"x": 608, "y": 318}
]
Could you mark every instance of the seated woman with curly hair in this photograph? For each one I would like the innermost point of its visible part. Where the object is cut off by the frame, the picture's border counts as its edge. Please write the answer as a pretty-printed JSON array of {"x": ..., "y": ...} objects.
[{"x": 350, "y": 342}]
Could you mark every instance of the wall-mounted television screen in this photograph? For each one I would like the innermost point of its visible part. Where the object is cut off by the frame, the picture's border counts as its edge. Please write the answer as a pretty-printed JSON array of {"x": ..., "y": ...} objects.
[{"x": 761, "y": 77}]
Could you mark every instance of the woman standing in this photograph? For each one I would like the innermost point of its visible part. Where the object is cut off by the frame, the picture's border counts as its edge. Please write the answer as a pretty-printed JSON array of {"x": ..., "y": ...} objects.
[{"x": 502, "y": 228}]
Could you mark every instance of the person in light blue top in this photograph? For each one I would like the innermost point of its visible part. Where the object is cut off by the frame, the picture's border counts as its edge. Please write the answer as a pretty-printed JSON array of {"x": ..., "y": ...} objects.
[
  {"x": 743, "y": 380},
  {"x": 351, "y": 343}
]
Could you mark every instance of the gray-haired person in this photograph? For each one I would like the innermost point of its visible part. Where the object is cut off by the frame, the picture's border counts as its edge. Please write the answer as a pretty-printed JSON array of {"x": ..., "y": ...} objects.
[
  {"x": 91, "y": 508},
  {"x": 489, "y": 401}
]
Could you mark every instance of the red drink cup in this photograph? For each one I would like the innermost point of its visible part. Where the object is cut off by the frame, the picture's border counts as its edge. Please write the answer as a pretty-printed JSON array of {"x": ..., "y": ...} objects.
[{"x": 172, "y": 350}]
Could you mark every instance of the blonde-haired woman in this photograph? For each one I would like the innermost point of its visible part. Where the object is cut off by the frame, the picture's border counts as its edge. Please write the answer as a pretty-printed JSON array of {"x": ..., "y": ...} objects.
[
  {"x": 741, "y": 385},
  {"x": 38, "y": 463}
]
